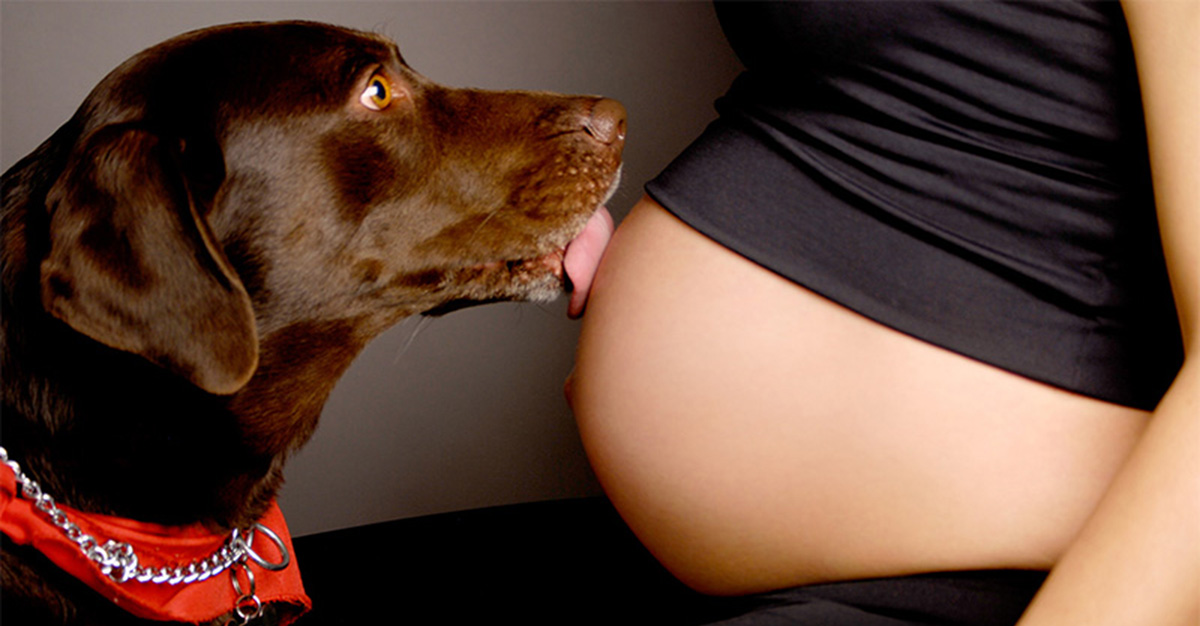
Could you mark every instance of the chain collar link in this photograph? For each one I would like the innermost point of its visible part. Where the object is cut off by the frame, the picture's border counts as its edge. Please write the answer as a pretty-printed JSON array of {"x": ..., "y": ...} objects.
[{"x": 118, "y": 560}]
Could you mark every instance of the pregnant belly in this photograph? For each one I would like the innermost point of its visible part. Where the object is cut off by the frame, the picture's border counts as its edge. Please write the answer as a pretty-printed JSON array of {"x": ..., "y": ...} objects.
[{"x": 755, "y": 435}]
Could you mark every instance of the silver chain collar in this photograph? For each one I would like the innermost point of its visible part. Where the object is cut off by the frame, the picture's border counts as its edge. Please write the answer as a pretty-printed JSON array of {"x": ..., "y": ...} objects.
[{"x": 118, "y": 560}]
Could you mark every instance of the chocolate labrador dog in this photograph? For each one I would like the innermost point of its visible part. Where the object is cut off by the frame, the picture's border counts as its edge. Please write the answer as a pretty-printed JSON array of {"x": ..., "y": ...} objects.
[{"x": 191, "y": 262}]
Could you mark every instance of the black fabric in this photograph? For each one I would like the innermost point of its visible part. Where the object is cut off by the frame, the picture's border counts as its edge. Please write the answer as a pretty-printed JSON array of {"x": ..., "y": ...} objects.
[
  {"x": 566, "y": 562},
  {"x": 574, "y": 562},
  {"x": 987, "y": 598},
  {"x": 971, "y": 173}
]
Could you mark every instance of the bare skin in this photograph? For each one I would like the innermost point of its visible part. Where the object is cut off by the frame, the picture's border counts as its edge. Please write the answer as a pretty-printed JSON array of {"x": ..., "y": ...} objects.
[
  {"x": 1137, "y": 561},
  {"x": 756, "y": 435}
]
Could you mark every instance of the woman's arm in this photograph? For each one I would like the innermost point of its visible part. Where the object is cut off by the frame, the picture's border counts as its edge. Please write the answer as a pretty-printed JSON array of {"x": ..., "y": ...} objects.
[{"x": 1137, "y": 561}]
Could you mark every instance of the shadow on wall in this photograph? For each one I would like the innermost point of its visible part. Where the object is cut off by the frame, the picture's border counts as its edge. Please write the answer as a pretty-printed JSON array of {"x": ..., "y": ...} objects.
[{"x": 441, "y": 414}]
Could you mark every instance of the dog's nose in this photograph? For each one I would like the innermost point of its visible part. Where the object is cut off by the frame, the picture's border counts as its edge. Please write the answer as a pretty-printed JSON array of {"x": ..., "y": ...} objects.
[{"x": 606, "y": 123}]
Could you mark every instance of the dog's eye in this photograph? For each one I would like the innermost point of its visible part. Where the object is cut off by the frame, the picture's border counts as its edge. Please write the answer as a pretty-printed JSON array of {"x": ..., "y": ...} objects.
[{"x": 378, "y": 94}]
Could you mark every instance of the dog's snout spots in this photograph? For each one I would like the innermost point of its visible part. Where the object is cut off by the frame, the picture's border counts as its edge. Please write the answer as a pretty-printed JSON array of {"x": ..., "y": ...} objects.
[
  {"x": 362, "y": 170},
  {"x": 606, "y": 123}
]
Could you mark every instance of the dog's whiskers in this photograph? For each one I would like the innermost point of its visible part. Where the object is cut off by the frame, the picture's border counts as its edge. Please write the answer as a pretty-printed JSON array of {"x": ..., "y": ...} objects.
[
  {"x": 422, "y": 322},
  {"x": 487, "y": 218}
]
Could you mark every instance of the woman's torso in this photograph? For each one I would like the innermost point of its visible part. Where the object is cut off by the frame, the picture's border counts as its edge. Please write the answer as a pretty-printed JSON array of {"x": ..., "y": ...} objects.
[
  {"x": 967, "y": 173},
  {"x": 757, "y": 436}
]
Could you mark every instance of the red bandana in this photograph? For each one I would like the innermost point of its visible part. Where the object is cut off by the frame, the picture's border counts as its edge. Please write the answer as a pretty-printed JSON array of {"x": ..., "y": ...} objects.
[{"x": 156, "y": 546}]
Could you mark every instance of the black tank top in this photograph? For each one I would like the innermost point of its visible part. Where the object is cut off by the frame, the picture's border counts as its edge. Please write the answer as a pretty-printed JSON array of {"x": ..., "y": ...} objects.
[{"x": 972, "y": 173}]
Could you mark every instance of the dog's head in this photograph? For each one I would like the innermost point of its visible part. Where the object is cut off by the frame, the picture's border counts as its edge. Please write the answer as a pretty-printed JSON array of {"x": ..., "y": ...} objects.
[{"x": 282, "y": 184}]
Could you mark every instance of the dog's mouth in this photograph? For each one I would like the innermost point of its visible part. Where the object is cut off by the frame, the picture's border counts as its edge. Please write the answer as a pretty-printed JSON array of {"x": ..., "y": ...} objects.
[
  {"x": 575, "y": 263},
  {"x": 542, "y": 277},
  {"x": 550, "y": 264}
]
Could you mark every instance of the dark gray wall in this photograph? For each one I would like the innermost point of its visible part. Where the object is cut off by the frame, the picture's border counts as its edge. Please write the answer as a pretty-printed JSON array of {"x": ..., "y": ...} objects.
[{"x": 451, "y": 413}]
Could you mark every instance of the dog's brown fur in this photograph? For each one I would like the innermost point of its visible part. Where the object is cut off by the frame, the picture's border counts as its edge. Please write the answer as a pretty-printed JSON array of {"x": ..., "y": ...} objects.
[{"x": 192, "y": 261}]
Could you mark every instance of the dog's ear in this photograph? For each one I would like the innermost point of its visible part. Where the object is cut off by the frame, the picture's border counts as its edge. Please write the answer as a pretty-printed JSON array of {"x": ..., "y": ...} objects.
[{"x": 133, "y": 264}]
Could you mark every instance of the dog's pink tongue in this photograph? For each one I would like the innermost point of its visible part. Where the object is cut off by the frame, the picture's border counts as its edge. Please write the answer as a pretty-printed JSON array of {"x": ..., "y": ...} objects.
[{"x": 583, "y": 257}]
